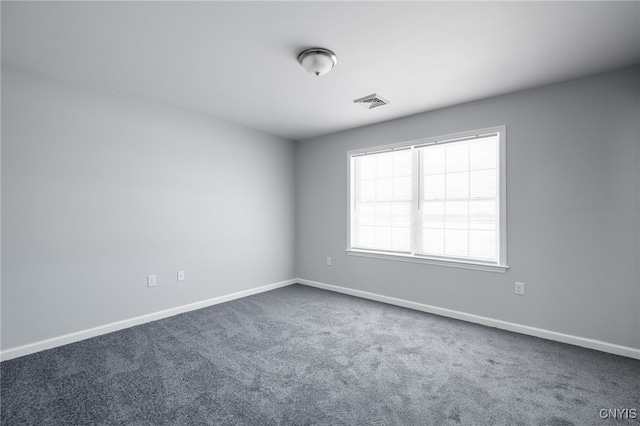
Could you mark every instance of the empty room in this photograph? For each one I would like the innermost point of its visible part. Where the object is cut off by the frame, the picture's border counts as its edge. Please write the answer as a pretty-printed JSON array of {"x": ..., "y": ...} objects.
[{"x": 320, "y": 213}]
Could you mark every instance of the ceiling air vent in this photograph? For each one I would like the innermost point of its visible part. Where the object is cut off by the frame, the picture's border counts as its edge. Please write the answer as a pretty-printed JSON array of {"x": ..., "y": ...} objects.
[{"x": 371, "y": 101}]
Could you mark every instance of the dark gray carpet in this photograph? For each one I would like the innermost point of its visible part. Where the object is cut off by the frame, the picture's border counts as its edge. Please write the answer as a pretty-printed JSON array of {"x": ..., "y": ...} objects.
[{"x": 301, "y": 356}]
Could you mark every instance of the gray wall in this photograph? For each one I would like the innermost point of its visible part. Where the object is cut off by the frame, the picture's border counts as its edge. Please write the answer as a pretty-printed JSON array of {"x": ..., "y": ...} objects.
[
  {"x": 572, "y": 210},
  {"x": 100, "y": 190}
]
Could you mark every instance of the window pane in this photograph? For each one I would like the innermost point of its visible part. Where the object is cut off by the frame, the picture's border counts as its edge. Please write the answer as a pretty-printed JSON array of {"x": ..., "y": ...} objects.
[
  {"x": 433, "y": 241},
  {"x": 366, "y": 167},
  {"x": 433, "y": 214},
  {"x": 384, "y": 165},
  {"x": 483, "y": 153},
  {"x": 402, "y": 188},
  {"x": 456, "y": 214},
  {"x": 482, "y": 214},
  {"x": 464, "y": 175},
  {"x": 383, "y": 238},
  {"x": 456, "y": 242},
  {"x": 383, "y": 214},
  {"x": 384, "y": 189},
  {"x": 433, "y": 159},
  {"x": 457, "y": 185},
  {"x": 401, "y": 239},
  {"x": 366, "y": 215},
  {"x": 482, "y": 244},
  {"x": 402, "y": 163},
  {"x": 457, "y": 157},
  {"x": 367, "y": 190},
  {"x": 381, "y": 217},
  {"x": 433, "y": 187},
  {"x": 401, "y": 214},
  {"x": 483, "y": 183},
  {"x": 365, "y": 236}
]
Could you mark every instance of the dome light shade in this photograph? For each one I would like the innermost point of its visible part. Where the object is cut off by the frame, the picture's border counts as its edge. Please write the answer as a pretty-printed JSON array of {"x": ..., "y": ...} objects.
[{"x": 317, "y": 60}]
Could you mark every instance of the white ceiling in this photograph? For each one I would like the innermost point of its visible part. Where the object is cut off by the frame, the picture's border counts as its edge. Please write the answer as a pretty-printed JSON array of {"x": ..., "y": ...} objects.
[{"x": 236, "y": 61}]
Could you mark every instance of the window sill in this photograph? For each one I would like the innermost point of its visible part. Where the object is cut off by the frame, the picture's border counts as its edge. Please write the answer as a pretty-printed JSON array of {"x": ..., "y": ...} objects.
[{"x": 428, "y": 261}]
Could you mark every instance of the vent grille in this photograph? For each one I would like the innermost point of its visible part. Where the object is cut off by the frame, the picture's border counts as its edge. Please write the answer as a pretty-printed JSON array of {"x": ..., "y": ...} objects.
[{"x": 371, "y": 101}]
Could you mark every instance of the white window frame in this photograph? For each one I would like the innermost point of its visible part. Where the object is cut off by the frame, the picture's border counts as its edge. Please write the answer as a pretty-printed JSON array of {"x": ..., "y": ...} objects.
[{"x": 500, "y": 265}]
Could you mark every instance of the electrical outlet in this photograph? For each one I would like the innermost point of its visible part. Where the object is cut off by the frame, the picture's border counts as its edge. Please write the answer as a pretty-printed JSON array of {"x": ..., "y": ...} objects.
[
  {"x": 151, "y": 281},
  {"x": 520, "y": 288},
  {"x": 329, "y": 261},
  {"x": 180, "y": 276}
]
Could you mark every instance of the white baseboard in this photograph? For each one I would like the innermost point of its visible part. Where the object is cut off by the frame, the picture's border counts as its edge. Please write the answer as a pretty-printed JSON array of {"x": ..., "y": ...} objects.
[
  {"x": 490, "y": 322},
  {"x": 523, "y": 329},
  {"x": 131, "y": 322}
]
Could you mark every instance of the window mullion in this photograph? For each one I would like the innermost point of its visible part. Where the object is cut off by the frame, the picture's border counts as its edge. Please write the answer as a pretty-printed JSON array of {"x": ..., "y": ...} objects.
[
  {"x": 468, "y": 201},
  {"x": 355, "y": 189},
  {"x": 416, "y": 214}
]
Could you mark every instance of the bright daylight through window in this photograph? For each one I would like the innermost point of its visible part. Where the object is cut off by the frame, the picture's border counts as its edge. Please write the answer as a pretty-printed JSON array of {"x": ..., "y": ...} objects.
[{"x": 437, "y": 200}]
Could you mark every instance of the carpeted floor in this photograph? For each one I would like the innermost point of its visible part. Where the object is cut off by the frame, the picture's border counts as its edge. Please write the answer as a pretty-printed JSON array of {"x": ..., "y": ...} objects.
[{"x": 302, "y": 356}]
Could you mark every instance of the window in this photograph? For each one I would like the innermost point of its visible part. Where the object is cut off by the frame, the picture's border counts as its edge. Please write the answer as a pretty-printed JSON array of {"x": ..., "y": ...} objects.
[{"x": 438, "y": 200}]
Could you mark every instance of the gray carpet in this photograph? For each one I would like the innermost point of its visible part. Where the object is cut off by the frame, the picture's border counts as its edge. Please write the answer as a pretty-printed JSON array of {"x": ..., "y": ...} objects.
[{"x": 302, "y": 356}]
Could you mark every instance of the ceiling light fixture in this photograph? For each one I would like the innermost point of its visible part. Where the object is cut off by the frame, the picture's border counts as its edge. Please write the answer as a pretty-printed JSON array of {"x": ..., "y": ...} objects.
[{"x": 317, "y": 60}]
